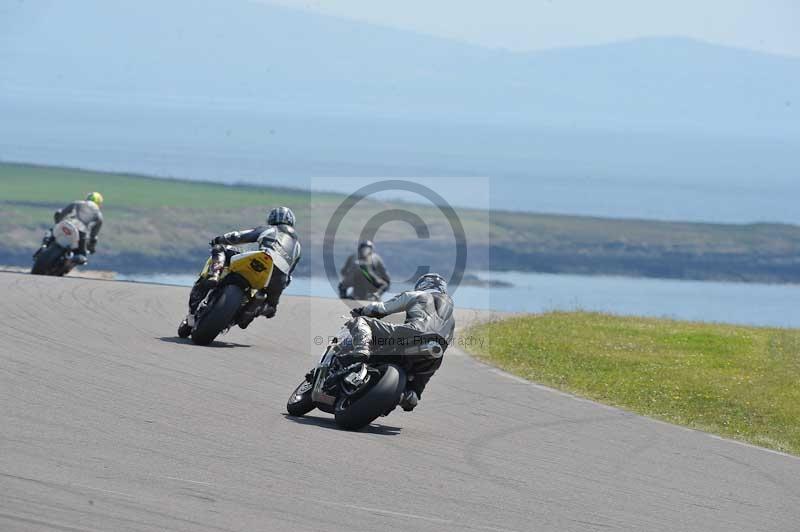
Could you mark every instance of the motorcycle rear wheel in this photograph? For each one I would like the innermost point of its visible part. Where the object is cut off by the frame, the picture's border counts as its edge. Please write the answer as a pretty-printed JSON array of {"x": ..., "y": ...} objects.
[
  {"x": 220, "y": 316},
  {"x": 382, "y": 397}
]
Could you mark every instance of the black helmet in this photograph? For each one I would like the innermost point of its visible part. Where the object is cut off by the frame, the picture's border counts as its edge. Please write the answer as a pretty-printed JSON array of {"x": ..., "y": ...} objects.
[
  {"x": 366, "y": 244},
  {"x": 281, "y": 216},
  {"x": 431, "y": 281}
]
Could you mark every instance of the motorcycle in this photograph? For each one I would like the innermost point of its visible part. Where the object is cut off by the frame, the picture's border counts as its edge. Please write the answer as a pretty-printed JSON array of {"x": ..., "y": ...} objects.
[
  {"x": 57, "y": 257},
  {"x": 236, "y": 300},
  {"x": 358, "y": 393}
]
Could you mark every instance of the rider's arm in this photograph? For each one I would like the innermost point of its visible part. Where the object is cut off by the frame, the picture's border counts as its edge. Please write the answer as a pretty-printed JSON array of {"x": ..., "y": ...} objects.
[
  {"x": 239, "y": 237},
  {"x": 398, "y": 303},
  {"x": 59, "y": 215},
  {"x": 297, "y": 260}
]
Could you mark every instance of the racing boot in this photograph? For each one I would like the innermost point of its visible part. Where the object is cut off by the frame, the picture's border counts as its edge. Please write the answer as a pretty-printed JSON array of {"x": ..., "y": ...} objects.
[
  {"x": 409, "y": 401},
  {"x": 184, "y": 329}
]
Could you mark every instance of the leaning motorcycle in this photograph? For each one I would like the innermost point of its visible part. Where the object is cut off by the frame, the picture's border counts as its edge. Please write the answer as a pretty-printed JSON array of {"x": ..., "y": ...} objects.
[
  {"x": 358, "y": 393},
  {"x": 236, "y": 300},
  {"x": 57, "y": 257}
]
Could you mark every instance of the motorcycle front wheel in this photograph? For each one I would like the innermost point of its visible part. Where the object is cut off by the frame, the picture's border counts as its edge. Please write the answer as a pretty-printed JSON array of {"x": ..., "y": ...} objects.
[
  {"x": 223, "y": 308},
  {"x": 357, "y": 413},
  {"x": 299, "y": 403},
  {"x": 46, "y": 260}
]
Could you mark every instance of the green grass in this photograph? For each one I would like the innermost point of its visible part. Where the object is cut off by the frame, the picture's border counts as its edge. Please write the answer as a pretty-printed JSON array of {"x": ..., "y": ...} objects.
[
  {"x": 61, "y": 185},
  {"x": 740, "y": 382}
]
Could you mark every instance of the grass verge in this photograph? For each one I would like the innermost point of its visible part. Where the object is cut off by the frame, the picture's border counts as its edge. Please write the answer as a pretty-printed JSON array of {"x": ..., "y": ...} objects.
[{"x": 736, "y": 381}]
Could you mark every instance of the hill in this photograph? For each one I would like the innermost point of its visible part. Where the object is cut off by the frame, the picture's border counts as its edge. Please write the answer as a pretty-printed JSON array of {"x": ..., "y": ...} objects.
[{"x": 225, "y": 51}]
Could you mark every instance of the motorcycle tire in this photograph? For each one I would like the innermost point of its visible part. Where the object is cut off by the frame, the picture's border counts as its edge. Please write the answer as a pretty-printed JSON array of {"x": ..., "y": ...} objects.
[
  {"x": 299, "y": 403},
  {"x": 219, "y": 317},
  {"x": 382, "y": 397},
  {"x": 46, "y": 260}
]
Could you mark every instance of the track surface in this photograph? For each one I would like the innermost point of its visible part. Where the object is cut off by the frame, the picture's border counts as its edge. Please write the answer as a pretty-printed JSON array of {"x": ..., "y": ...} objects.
[{"x": 108, "y": 422}]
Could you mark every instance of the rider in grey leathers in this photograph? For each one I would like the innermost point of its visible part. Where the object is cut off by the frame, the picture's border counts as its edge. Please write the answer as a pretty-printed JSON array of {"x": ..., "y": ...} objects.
[
  {"x": 278, "y": 236},
  {"x": 429, "y": 317}
]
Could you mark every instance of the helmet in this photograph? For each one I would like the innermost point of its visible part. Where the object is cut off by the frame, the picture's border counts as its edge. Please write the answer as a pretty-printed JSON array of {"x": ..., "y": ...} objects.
[
  {"x": 365, "y": 249},
  {"x": 95, "y": 197},
  {"x": 431, "y": 281},
  {"x": 281, "y": 216}
]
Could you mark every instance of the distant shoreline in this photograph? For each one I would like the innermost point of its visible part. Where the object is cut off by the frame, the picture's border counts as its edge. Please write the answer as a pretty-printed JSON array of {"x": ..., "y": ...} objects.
[{"x": 162, "y": 225}]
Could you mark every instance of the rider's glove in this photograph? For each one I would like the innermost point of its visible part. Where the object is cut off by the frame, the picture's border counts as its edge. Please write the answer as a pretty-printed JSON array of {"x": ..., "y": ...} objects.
[
  {"x": 218, "y": 240},
  {"x": 356, "y": 312}
]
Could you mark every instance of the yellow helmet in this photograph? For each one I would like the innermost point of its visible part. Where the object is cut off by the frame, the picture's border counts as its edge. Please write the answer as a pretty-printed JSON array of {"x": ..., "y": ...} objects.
[{"x": 95, "y": 197}]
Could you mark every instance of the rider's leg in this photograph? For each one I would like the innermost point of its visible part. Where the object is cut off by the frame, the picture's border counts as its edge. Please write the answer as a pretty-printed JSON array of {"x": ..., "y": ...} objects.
[
  {"x": 362, "y": 337},
  {"x": 277, "y": 284},
  {"x": 423, "y": 369},
  {"x": 374, "y": 334},
  {"x": 202, "y": 286},
  {"x": 219, "y": 256},
  {"x": 266, "y": 302},
  {"x": 80, "y": 256}
]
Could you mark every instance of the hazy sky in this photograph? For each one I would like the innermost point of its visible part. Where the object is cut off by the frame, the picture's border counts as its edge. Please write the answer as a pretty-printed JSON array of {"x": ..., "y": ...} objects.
[{"x": 769, "y": 25}]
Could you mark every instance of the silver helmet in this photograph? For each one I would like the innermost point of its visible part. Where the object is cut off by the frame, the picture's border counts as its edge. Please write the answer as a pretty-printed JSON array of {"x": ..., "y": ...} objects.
[
  {"x": 431, "y": 281},
  {"x": 281, "y": 216}
]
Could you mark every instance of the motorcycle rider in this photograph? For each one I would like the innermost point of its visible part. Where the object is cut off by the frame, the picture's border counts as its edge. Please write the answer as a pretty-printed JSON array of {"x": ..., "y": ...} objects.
[
  {"x": 365, "y": 273},
  {"x": 88, "y": 218},
  {"x": 429, "y": 316},
  {"x": 278, "y": 237}
]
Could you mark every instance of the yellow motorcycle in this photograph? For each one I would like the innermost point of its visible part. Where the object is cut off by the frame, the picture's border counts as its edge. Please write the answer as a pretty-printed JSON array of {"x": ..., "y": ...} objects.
[{"x": 236, "y": 300}]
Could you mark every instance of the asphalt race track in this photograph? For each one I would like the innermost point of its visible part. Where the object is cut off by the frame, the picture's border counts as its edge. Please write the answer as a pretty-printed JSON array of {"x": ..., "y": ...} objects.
[{"x": 108, "y": 422}]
